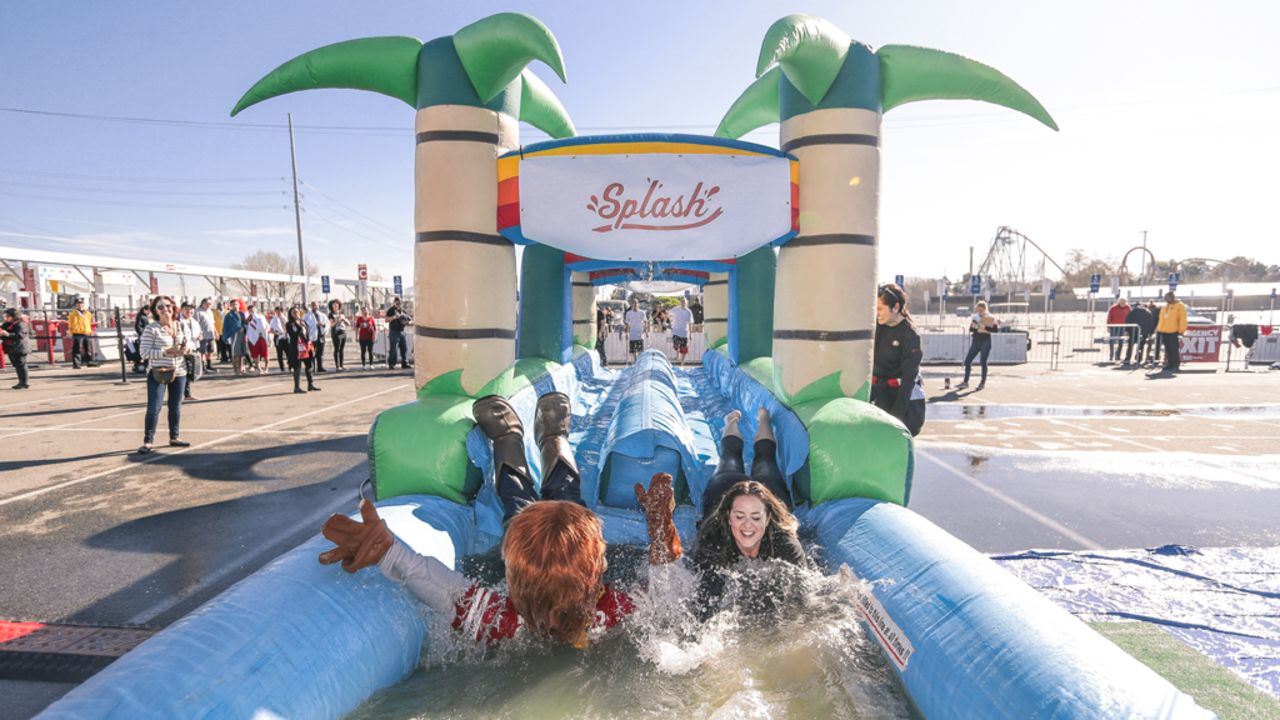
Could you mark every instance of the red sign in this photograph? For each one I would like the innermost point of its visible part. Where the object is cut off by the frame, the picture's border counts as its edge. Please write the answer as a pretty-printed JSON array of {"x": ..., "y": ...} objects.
[
  {"x": 362, "y": 272},
  {"x": 1201, "y": 343}
]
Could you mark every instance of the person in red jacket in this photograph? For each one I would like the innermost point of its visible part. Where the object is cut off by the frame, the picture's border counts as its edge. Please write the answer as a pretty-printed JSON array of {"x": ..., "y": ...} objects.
[
  {"x": 1115, "y": 327},
  {"x": 554, "y": 549}
]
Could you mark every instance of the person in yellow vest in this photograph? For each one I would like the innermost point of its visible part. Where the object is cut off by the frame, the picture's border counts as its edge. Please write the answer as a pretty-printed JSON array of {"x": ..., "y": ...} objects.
[
  {"x": 80, "y": 325},
  {"x": 1173, "y": 323}
]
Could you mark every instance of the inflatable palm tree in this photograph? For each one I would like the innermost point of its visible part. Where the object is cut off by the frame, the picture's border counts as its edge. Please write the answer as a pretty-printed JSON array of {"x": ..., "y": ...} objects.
[
  {"x": 470, "y": 91},
  {"x": 829, "y": 92}
]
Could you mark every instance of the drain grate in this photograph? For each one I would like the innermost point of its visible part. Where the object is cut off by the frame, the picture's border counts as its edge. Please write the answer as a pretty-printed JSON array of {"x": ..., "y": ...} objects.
[{"x": 57, "y": 652}]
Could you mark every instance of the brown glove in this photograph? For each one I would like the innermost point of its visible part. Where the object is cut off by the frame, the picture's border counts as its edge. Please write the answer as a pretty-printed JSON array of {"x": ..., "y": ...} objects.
[
  {"x": 658, "y": 504},
  {"x": 360, "y": 544}
]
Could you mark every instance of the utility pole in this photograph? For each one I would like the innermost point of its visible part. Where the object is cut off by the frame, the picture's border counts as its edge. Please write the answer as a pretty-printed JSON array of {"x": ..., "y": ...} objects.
[
  {"x": 1142, "y": 279},
  {"x": 297, "y": 212}
]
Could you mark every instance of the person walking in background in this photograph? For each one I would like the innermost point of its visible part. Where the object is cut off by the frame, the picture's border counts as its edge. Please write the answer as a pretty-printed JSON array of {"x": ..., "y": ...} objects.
[
  {"x": 15, "y": 334},
  {"x": 164, "y": 345},
  {"x": 397, "y": 321},
  {"x": 981, "y": 325},
  {"x": 233, "y": 336},
  {"x": 257, "y": 337},
  {"x": 681, "y": 319},
  {"x": 1173, "y": 323},
  {"x": 338, "y": 324},
  {"x": 208, "y": 333},
  {"x": 140, "y": 322},
  {"x": 318, "y": 330},
  {"x": 1144, "y": 323},
  {"x": 366, "y": 333},
  {"x": 1116, "y": 315},
  {"x": 299, "y": 349},
  {"x": 637, "y": 325},
  {"x": 80, "y": 325},
  {"x": 279, "y": 337},
  {"x": 190, "y": 327}
]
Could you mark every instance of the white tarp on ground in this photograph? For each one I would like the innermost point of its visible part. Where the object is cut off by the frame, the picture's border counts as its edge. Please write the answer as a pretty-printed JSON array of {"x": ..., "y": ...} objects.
[
  {"x": 1224, "y": 602},
  {"x": 655, "y": 206}
]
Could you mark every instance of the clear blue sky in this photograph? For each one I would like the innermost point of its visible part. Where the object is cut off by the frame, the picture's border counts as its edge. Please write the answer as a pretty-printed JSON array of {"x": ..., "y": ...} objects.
[{"x": 1168, "y": 112}]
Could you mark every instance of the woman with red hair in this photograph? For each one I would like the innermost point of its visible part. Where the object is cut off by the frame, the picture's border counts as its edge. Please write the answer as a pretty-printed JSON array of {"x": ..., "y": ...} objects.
[{"x": 554, "y": 547}]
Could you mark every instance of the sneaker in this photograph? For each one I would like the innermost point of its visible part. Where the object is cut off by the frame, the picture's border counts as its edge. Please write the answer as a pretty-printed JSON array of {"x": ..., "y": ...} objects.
[
  {"x": 174, "y": 442},
  {"x": 299, "y": 391},
  {"x": 312, "y": 388},
  {"x": 146, "y": 450},
  {"x": 190, "y": 398},
  {"x": 980, "y": 386},
  {"x": 962, "y": 386}
]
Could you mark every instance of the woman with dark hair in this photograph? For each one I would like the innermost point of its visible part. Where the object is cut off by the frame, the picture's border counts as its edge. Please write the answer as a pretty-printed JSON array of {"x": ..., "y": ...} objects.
[
  {"x": 164, "y": 345},
  {"x": 298, "y": 349},
  {"x": 338, "y": 323},
  {"x": 16, "y": 335},
  {"x": 896, "y": 387},
  {"x": 366, "y": 333},
  {"x": 140, "y": 322},
  {"x": 744, "y": 518}
]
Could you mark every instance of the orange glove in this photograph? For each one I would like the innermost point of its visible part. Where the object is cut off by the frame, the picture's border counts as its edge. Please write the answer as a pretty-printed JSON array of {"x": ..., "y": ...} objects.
[
  {"x": 360, "y": 544},
  {"x": 659, "y": 503}
]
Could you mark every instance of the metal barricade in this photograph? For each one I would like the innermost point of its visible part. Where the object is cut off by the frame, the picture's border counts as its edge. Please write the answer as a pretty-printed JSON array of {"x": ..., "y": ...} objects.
[{"x": 1096, "y": 344}]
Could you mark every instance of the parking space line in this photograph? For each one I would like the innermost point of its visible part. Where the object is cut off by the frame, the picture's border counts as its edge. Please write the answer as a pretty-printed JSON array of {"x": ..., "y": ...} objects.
[
  {"x": 1041, "y": 518},
  {"x": 196, "y": 446}
]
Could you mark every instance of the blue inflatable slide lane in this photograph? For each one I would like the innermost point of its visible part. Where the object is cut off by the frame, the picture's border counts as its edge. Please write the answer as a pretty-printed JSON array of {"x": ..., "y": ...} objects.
[{"x": 300, "y": 640}]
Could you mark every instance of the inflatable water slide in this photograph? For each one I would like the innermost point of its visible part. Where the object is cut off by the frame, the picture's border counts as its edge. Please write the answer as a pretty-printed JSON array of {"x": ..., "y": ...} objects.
[{"x": 783, "y": 243}]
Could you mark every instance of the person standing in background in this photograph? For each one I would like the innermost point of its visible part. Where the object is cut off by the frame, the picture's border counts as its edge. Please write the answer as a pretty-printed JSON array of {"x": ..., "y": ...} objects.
[
  {"x": 637, "y": 327},
  {"x": 164, "y": 345},
  {"x": 1173, "y": 323},
  {"x": 276, "y": 323},
  {"x": 15, "y": 334},
  {"x": 190, "y": 327},
  {"x": 1144, "y": 324},
  {"x": 299, "y": 349},
  {"x": 896, "y": 386},
  {"x": 338, "y": 324},
  {"x": 233, "y": 336},
  {"x": 981, "y": 325},
  {"x": 602, "y": 330},
  {"x": 318, "y": 331},
  {"x": 140, "y": 322},
  {"x": 681, "y": 319},
  {"x": 397, "y": 321},
  {"x": 366, "y": 333},
  {"x": 1153, "y": 357},
  {"x": 1116, "y": 315},
  {"x": 208, "y": 333},
  {"x": 224, "y": 352},
  {"x": 80, "y": 325},
  {"x": 256, "y": 336}
]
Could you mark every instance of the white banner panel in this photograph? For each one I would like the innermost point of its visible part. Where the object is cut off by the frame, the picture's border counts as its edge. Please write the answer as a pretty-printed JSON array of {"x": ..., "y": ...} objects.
[{"x": 655, "y": 206}]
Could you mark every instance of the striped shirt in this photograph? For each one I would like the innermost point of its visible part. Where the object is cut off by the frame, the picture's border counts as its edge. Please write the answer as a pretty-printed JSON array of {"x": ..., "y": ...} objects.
[{"x": 156, "y": 340}]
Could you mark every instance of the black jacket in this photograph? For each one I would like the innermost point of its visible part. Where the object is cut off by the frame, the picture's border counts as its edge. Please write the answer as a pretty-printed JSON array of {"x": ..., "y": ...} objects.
[
  {"x": 296, "y": 332},
  {"x": 897, "y": 357},
  {"x": 18, "y": 341},
  {"x": 1141, "y": 317}
]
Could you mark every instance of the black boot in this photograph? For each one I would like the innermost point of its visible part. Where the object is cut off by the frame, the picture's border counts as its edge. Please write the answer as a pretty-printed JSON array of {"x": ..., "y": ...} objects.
[{"x": 560, "y": 479}]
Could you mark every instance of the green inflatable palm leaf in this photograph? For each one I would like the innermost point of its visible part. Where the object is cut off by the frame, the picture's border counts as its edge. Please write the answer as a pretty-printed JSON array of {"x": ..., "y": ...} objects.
[
  {"x": 541, "y": 108},
  {"x": 757, "y": 106},
  {"x": 494, "y": 50},
  {"x": 386, "y": 65},
  {"x": 916, "y": 73},
  {"x": 810, "y": 50}
]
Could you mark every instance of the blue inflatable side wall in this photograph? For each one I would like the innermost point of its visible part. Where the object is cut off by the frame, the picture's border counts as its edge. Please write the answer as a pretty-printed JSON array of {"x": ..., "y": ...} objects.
[{"x": 975, "y": 637}]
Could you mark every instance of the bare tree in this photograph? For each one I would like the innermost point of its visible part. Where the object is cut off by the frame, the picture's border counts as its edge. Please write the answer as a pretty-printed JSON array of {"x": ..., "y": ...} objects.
[{"x": 273, "y": 262}]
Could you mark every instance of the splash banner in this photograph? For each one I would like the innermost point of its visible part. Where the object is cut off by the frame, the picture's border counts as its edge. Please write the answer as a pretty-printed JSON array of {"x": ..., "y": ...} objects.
[{"x": 649, "y": 197}]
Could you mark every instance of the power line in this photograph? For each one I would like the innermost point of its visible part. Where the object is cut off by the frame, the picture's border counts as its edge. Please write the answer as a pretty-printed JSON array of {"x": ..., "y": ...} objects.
[
  {"x": 117, "y": 178},
  {"x": 378, "y": 223},
  {"x": 344, "y": 228},
  {"x": 140, "y": 191},
  {"x": 121, "y": 203}
]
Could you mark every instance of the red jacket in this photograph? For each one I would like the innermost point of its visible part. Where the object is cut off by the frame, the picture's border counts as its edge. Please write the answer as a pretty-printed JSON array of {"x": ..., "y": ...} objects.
[
  {"x": 1117, "y": 314},
  {"x": 490, "y": 617}
]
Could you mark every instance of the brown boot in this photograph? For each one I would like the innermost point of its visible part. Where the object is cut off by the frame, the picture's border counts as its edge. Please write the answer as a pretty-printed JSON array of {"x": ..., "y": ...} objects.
[
  {"x": 552, "y": 417},
  {"x": 551, "y": 431},
  {"x": 499, "y": 422}
]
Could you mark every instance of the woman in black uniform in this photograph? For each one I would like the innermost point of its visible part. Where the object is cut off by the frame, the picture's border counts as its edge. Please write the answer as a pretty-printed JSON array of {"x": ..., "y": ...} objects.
[
  {"x": 895, "y": 380},
  {"x": 299, "y": 350}
]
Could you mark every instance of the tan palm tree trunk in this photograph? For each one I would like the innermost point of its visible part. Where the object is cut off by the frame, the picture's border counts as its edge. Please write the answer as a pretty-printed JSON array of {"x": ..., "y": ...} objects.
[
  {"x": 824, "y": 312},
  {"x": 584, "y": 310},
  {"x": 465, "y": 273},
  {"x": 715, "y": 309}
]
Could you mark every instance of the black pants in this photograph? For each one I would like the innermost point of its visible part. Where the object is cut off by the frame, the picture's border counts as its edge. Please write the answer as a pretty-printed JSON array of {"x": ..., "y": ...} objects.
[
  {"x": 1172, "y": 358},
  {"x": 298, "y": 366},
  {"x": 224, "y": 351},
  {"x": 280, "y": 356},
  {"x": 1135, "y": 338},
  {"x": 366, "y": 350},
  {"x": 81, "y": 350},
  {"x": 190, "y": 361},
  {"x": 339, "y": 348},
  {"x": 600, "y": 349},
  {"x": 562, "y": 483},
  {"x": 19, "y": 363},
  {"x": 886, "y": 398},
  {"x": 981, "y": 344},
  {"x": 396, "y": 343},
  {"x": 318, "y": 358},
  {"x": 730, "y": 472}
]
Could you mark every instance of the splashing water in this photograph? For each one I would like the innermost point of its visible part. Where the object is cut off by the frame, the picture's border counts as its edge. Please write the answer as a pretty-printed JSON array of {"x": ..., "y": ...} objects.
[{"x": 808, "y": 657}]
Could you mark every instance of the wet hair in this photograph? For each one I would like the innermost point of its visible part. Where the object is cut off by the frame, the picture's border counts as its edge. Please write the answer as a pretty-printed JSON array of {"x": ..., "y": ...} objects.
[
  {"x": 554, "y": 552},
  {"x": 895, "y": 298},
  {"x": 715, "y": 530}
]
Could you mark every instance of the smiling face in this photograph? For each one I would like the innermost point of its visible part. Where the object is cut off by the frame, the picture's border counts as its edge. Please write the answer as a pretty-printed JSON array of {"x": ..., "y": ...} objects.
[
  {"x": 882, "y": 311},
  {"x": 748, "y": 520}
]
